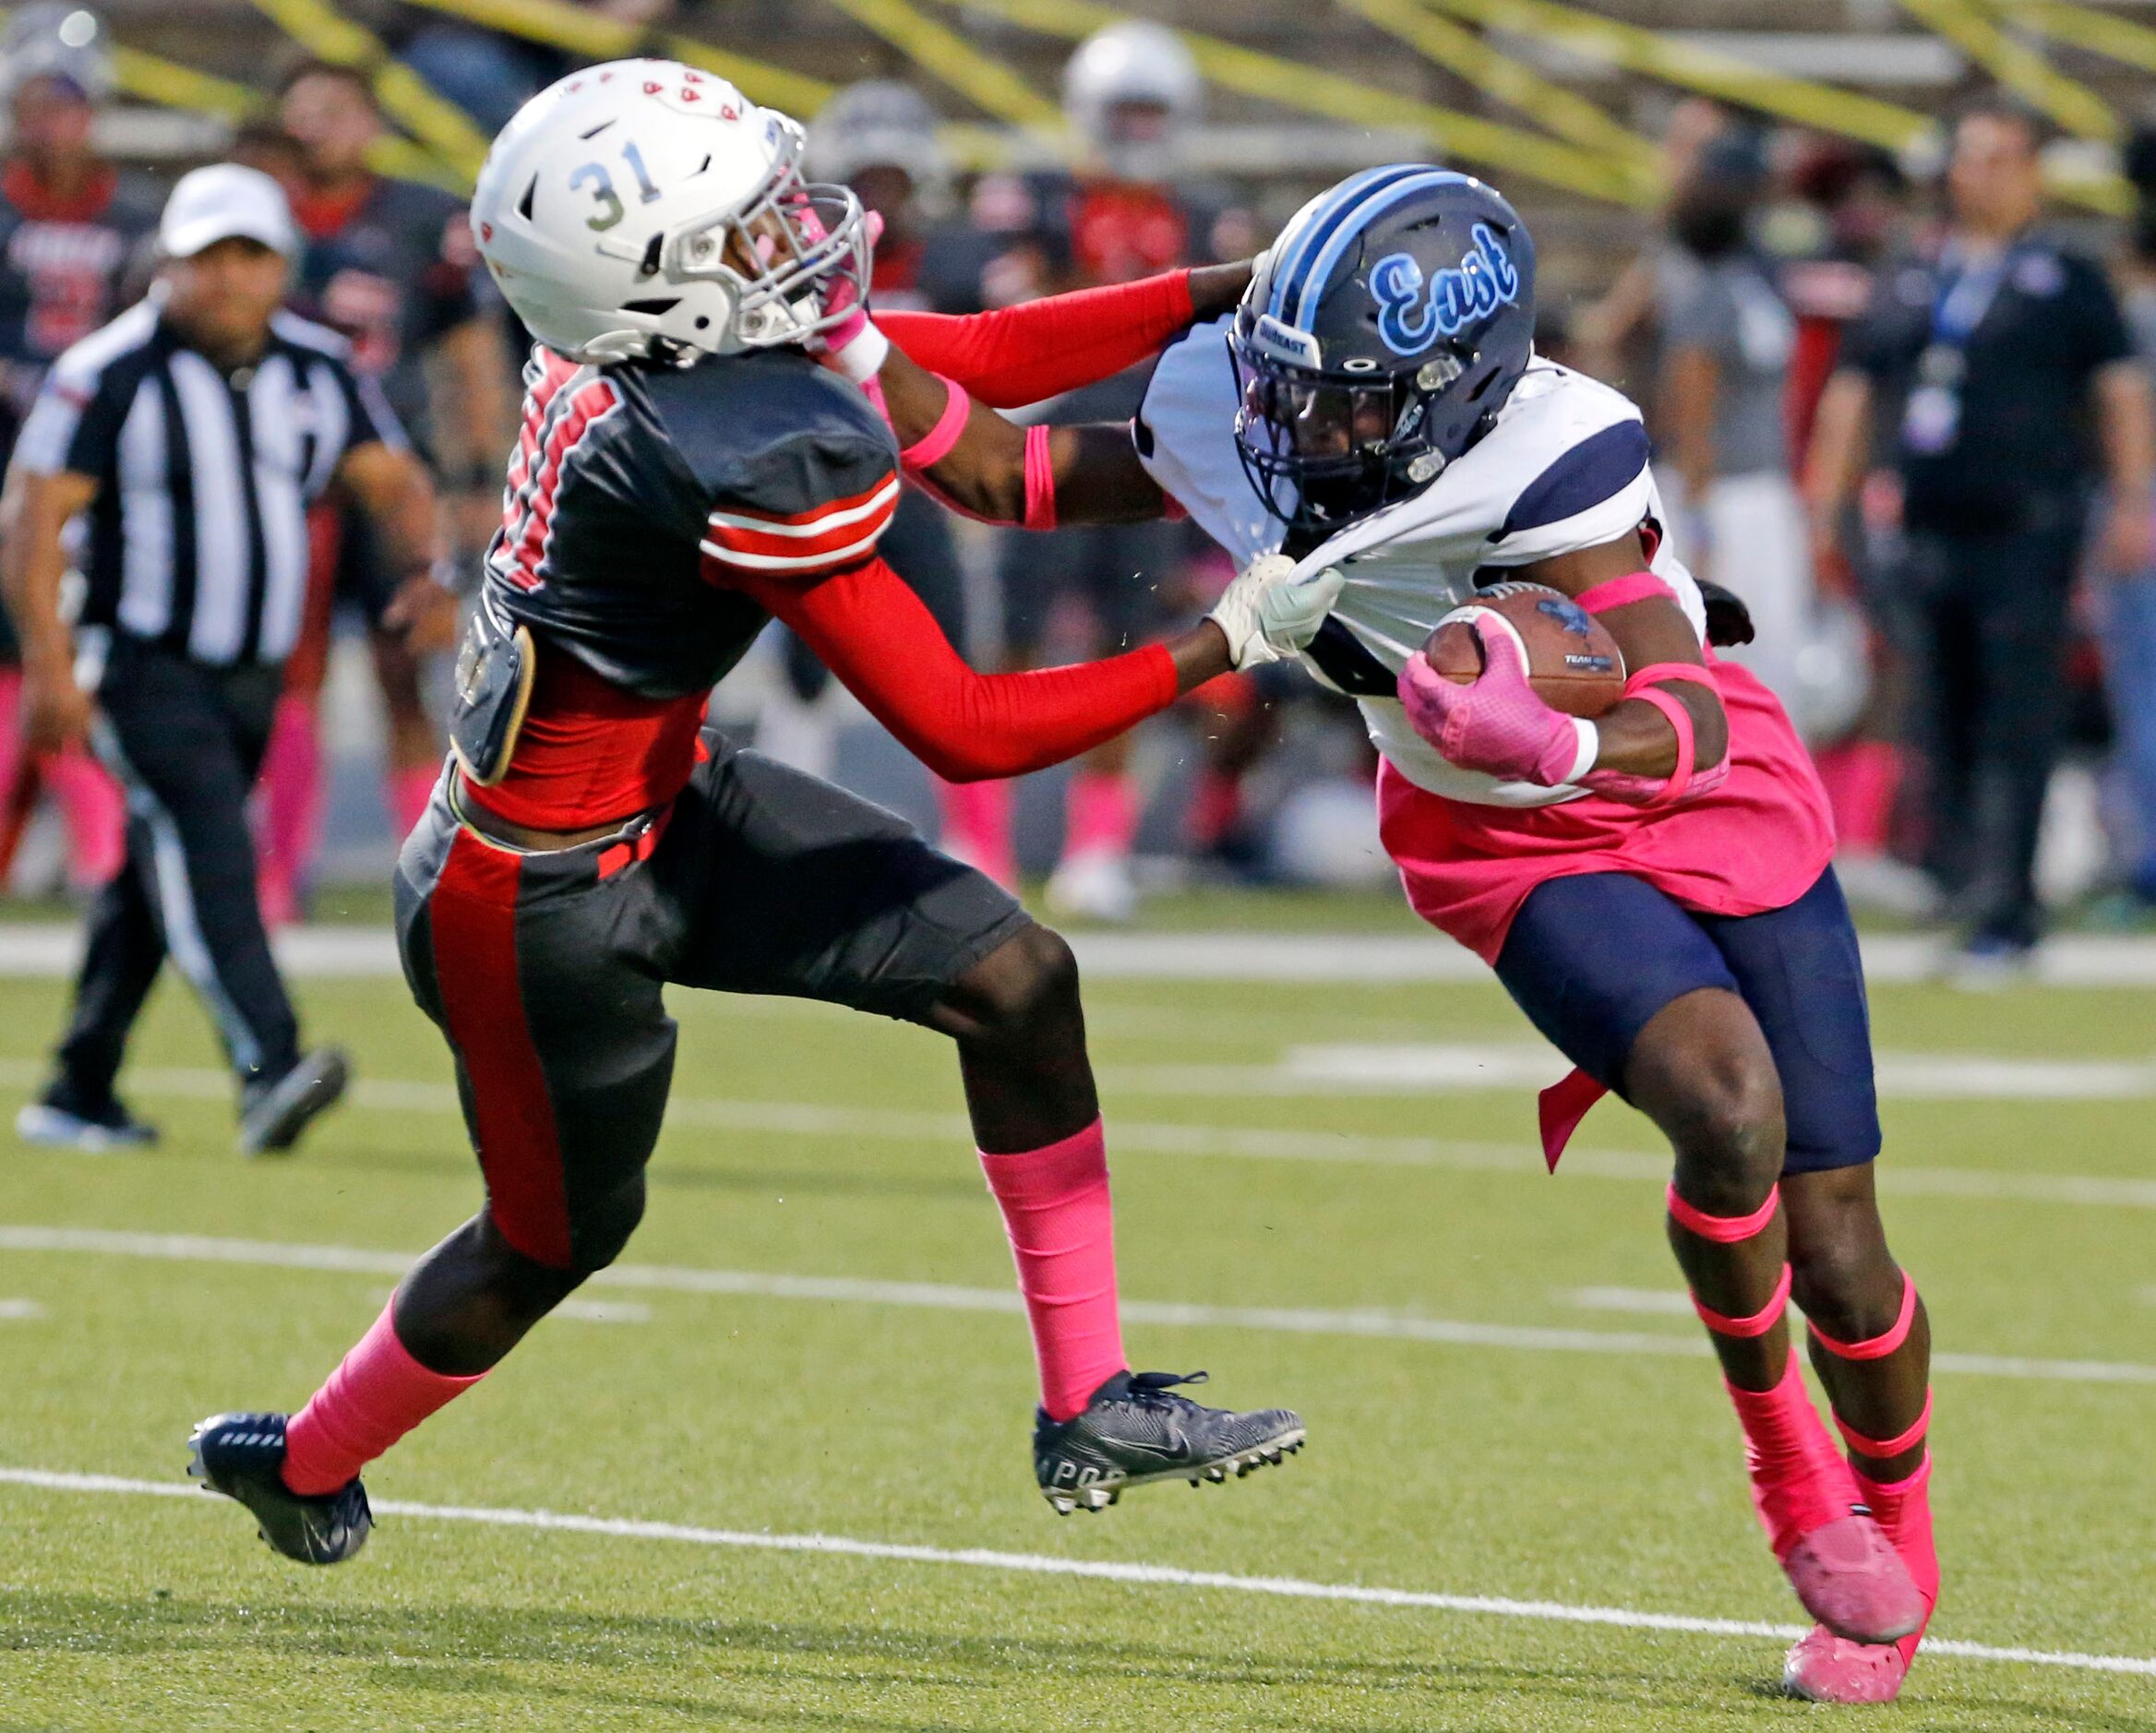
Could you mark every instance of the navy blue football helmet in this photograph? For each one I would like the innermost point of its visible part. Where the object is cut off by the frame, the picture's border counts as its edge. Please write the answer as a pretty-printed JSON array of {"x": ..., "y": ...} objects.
[{"x": 1378, "y": 340}]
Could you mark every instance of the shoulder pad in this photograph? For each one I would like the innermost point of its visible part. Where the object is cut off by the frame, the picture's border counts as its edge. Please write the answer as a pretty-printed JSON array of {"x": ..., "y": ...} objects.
[{"x": 801, "y": 473}]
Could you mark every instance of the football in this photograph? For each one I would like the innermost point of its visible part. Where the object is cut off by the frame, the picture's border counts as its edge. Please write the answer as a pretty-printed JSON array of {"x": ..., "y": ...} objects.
[{"x": 1573, "y": 663}]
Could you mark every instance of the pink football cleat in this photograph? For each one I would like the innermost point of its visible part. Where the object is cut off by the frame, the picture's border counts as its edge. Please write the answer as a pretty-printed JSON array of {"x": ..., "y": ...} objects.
[
  {"x": 1852, "y": 1580},
  {"x": 1824, "y": 1668}
]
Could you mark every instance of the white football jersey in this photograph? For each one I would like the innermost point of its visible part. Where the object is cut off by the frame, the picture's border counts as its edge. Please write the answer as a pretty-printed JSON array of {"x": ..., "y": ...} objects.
[{"x": 1565, "y": 467}]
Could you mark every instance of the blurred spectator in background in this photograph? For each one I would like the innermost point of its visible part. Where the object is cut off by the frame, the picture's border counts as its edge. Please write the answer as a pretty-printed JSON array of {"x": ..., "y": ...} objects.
[
  {"x": 1133, "y": 95},
  {"x": 390, "y": 265},
  {"x": 1857, "y": 200},
  {"x": 1614, "y": 331},
  {"x": 880, "y": 138},
  {"x": 1727, "y": 341},
  {"x": 2125, "y": 600},
  {"x": 1998, "y": 346},
  {"x": 70, "y": 226}
]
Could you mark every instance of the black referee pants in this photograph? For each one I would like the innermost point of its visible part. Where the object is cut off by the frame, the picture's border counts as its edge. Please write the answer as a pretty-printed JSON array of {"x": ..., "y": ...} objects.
[
  {"x": 184, "y": 740},
  {"x": 1984, "y": 627}
]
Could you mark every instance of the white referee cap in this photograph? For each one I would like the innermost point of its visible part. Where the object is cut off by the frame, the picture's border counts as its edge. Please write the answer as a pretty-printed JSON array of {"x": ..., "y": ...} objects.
[{"x": 221, "y": 202}]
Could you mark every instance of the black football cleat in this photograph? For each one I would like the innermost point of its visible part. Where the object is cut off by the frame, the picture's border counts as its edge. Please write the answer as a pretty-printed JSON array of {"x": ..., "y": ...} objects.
[
  {"x": 275, "y": 1111},
  {"x": 242, "y": 1455},
  {"x": 1136, "y": 1430}
]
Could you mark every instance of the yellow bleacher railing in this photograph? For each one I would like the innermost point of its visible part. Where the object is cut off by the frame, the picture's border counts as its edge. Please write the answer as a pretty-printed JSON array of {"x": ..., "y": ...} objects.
[
  {"x": 405, "y": 97},
  {"x": 1688, "y": 65},
  {"x": 169, "y": 84},
  {"x": 1518, "y": 86},
  {"x": 948, "y": 57},
  {"x": 1465, "y": 137},
  {"x": 1650, "y": 54},
  {"x": 2083, "y": 27},
  {"x": 2018, "y": 67},
  {"x": 596, "y": 37}
]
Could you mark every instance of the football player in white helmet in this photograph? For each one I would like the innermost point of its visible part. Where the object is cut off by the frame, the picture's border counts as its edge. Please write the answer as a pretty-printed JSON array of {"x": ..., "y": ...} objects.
[
  {"x": 1131, "y": 94},
  {"x": 687, "y": 470},
  {"x": 1653, "y": 886}
]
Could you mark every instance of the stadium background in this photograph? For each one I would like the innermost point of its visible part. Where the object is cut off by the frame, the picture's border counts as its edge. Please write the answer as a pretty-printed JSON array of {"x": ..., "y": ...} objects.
[
  {"x": 1570, "y": 109},
  {"x": 1322, "y": 1118}
]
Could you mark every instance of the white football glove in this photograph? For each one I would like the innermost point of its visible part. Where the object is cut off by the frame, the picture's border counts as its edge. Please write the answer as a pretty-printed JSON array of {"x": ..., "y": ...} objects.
[{"x": 1268, "y": 615}]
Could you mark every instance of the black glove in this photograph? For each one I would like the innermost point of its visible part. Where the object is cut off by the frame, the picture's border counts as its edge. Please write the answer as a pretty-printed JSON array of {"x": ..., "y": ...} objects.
[{"x": 1729, "y": 621}]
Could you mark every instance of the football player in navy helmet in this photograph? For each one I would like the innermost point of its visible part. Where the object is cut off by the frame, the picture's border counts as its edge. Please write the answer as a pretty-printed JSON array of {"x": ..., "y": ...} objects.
[{"x": 1643, "y": 882}]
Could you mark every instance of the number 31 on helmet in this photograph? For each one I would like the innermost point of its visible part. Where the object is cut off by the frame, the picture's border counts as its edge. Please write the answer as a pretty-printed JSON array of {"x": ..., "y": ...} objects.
[{"x": 644, "y": 209}]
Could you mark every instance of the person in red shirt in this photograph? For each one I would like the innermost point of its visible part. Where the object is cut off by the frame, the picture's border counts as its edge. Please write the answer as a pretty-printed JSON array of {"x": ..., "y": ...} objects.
[
  {"x": 688, "y": 469},
  {"x": 388, "y": 264},
  {"x": 72, "y": 230}
]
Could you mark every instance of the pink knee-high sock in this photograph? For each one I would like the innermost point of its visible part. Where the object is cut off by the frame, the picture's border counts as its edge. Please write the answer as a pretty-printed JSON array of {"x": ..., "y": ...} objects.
[
  {"x": 410, "y": 789},
  {"x": 977, "y": 827},
  {"x": 1056, "y": 1210},
  {"x": 1100, "y": 813},
  {"x": 96, "y": 814},
  {"x": 1799, "y": 1481},
  {"x": 1903, "y": 1508},
  {"x": 292, "y": 787},
  {"x": 377, "y": 1393}
]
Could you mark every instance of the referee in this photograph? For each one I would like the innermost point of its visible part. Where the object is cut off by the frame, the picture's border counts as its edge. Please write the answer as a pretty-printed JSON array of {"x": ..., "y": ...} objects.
[{"x": 183, "y": 444}]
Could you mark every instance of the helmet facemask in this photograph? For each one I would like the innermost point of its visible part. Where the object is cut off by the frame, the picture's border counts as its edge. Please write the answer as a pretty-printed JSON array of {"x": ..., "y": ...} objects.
[
  {"x": 780, "y": 256},
  {"x": 1324, "y": 447}
]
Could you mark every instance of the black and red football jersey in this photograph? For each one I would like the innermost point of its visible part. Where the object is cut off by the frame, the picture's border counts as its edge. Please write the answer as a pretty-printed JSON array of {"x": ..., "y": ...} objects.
[
  {"x": 63, "y": 264},
  {"x": 638, "y": 491}
]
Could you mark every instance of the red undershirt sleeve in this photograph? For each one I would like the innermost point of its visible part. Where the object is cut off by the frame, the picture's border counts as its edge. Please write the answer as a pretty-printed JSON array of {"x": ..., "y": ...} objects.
[
  {"x": 1024, "y": 354},
  {"x": 874, "y": 633}
]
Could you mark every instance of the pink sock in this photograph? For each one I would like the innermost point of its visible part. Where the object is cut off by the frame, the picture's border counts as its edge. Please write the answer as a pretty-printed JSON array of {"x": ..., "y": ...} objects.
[
  {"x": 977, "y": 827},
  {"x": 409, "y": 790},
  {"x": 1861, "y": 778},
  {"x": 1100, "y": 814},
  {"x": 1904, "y": 1509},
  {"x": 1056, "y": 1210},
  {"x": 377, "y": 1395},
  {"x": 96, "y": 815},
  {"x": 292, "y": 791},
  {"x": 1799, "y": 1480}
]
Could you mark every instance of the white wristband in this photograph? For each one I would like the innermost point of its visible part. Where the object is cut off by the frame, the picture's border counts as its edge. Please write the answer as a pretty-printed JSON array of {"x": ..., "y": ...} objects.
[
  {"x": 863, "y": 359},
  {"x": 1590, "y": 749}
]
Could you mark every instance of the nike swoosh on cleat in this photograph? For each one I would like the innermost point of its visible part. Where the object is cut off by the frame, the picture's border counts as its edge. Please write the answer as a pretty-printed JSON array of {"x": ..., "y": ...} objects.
[{"x": 1180, "y": 1454}]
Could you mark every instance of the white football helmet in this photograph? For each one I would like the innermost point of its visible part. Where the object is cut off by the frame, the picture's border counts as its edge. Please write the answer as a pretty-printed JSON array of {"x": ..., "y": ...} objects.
[
  {"x": 1131, "y": 91},
  {"x": 646, "y": 209}
]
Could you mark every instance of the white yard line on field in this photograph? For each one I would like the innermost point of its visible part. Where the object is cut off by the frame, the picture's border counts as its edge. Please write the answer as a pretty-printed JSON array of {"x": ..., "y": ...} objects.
[
  {"x": 1098, "y": 1569},
  {"x": 1654, "y": 1301},
  {"x": 20, "y": 1311},
  {"x": 52, "y": 950},
  {"x": 1365, "y": 1322},
  {"x": 1445, "y": 1067},
  {"x": 1138, "y": 1137}
]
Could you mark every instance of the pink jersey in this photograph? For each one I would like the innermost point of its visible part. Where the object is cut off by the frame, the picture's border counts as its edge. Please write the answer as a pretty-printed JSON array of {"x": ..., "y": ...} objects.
[{"x": 1758, "y": 842}]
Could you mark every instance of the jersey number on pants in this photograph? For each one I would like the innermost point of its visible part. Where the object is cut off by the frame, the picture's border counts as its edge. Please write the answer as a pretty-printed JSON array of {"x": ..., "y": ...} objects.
[{"x": 564, "y": 403}]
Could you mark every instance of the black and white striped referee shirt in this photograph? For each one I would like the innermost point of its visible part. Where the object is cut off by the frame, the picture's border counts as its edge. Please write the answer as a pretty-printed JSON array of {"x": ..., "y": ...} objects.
[{"x": 198, "y": 538}]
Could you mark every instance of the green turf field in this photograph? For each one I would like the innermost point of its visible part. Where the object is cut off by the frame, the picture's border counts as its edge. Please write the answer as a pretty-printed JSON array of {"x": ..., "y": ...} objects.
[{"x": 1503, "y": 1399}]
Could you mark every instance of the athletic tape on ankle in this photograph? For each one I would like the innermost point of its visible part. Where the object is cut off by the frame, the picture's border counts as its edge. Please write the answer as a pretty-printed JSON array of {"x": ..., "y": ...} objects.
[
  {"x": 1724, "y": 1230},
  {"x": 1041, "y": 481},
  {"x": 1760, "y": 1321},
  {"x": 1622, "y": 592},
  {"x": 1882, "y": 1447},
  {"x": 934, "y": 446},
  {"x": 1877, "y": 1347},
  {"x": 1872, "y": 1489}
]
